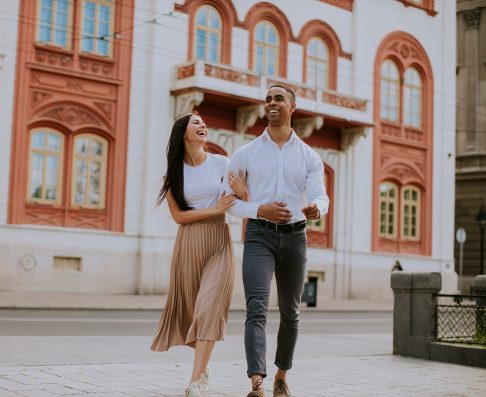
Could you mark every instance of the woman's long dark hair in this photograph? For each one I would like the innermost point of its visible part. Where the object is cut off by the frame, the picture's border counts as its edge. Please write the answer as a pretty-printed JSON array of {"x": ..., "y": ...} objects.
[{"x": 174, "y": 179}]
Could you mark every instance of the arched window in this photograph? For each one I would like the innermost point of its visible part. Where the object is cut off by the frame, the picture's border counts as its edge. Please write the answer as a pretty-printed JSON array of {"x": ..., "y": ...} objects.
[
  {"x": 410, "y": 214},
  {"x": 45, "y": 166},
  {"x": 390, "y": 91},
  {"x": 266, "y": 49},
  {"x": 90, "y": 156},
  {"x": 55, "y": 23},
  {"x": 98, "y": 26},
  {"x": 318, "y": 63},
  {"x": 388, "y": 210},
  {"x": 208, "y": 28},
  {"x": 412, "y": 98}
]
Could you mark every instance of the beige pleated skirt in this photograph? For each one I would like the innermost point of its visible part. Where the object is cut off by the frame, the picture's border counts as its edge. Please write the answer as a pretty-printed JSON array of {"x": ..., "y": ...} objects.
[{"x": 200, "y": 287}]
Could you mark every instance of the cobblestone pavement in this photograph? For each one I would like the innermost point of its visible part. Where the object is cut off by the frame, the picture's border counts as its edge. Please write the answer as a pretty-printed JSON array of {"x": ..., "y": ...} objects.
[{"x": 355, "y": 365}]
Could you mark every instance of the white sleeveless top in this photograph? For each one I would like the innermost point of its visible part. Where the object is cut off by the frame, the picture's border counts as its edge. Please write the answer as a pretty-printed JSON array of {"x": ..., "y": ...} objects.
[{"x": 202, "y": 183}]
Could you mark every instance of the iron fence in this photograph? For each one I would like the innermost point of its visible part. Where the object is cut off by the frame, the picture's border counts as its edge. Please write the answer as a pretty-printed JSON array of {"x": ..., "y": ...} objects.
[{"x": 461, "y": 319}]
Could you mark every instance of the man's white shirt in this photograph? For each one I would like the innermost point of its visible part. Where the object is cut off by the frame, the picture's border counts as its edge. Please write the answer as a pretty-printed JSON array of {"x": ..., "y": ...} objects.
[{"x": 293, "y": 174}]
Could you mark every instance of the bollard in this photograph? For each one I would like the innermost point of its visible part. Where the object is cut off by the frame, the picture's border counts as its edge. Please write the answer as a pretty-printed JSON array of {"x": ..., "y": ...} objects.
[{"x": 414, "y": 312}]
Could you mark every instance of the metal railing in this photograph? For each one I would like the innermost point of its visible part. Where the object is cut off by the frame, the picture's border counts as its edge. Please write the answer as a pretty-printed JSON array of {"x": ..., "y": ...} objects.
[{"x": 461, "y": 319}]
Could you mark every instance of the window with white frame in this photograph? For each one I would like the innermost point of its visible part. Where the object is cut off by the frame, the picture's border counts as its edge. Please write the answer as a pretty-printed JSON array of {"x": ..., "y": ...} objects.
[
  {"x": 390, "y": 91},
  {"x": 412, "y": 98},
  {"x": 55, "y": 23},
  {"x": 89, "y": 171},
  {"x": 45, "y": 166},
  {"x": 388, "y": 210},
  {"x": 317, "y": 63},
  {"x": 410, "y": 213},
  {"x": 97, "y": 21},
  {"x": 266, "y": 49},
  {"x": 208, "y": 28}
]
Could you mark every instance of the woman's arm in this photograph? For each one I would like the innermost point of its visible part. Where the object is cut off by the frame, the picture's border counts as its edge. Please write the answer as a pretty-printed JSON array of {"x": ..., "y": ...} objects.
[
  {"x": 190, "y": 216},
  {"x": 237, "y": 182}
]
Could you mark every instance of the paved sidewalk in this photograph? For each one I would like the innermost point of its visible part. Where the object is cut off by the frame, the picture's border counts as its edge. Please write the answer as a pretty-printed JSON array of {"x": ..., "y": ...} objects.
[
  {"x": 65, "y": 300},
  {"x": 353, "y": 365}
]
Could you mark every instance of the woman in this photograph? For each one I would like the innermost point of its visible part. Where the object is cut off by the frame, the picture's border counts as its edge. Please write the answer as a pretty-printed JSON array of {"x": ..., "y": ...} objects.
[{"x": 202, "y": 269}]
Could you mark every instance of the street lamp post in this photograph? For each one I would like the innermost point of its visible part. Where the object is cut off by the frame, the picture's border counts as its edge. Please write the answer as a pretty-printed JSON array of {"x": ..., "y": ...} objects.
[{"x": 481, "y": 219}]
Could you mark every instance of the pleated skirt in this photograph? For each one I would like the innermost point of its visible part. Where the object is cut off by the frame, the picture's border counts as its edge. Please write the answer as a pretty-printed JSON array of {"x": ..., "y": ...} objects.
[{"x": 200, "y": 288}]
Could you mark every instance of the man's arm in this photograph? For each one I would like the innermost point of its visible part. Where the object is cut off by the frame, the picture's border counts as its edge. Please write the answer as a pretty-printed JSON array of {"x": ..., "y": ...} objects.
[{"x": 318, "y": 201}]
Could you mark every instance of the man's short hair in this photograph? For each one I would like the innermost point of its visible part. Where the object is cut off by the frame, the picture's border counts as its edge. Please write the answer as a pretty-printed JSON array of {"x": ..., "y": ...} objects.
[{"x": 292, "y": 93}]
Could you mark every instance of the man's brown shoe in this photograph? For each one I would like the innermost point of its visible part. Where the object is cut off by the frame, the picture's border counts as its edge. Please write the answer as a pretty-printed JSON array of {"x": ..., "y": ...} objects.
[
  {"x": 280, "y": 389},
  {"x": 257, "y": 389}
]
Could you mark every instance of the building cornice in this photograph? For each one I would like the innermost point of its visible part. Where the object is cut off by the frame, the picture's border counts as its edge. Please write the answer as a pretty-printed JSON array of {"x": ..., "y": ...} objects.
[{"x": 463, "y": 5}]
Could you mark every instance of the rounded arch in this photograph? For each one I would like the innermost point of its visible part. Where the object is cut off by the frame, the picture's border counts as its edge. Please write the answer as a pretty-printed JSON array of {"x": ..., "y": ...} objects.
[
  {"x": 404, "y": 153},
  {"x": 212, "y": 147},
  {"x": 108, "y": 135},
  {"x": 402, "y": 174},
  {"x": 406, "y": 51},
  {"x": 271, "y": 13},
  {"x": 71, "y": 115},
  {"x": 228, "y": 16},
  {"x": 322, "y": 30}
]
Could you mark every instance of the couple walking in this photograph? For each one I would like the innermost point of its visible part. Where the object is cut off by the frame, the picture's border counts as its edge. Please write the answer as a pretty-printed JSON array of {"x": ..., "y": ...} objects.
[{"x": 277, "y": 182}]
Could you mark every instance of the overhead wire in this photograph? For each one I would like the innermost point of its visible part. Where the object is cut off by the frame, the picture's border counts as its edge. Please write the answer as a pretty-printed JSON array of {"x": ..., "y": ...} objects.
[{"x": 161, "y": 50}]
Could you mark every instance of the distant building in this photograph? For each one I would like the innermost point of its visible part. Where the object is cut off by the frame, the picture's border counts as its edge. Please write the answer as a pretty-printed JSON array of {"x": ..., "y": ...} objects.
[
  {"x": 470, "y": 130},
  {"x": 90, "y": 89}
]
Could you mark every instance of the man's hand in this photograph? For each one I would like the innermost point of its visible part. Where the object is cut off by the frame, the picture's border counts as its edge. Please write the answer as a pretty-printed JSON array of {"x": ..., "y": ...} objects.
[
  {"x": 275, "y": 212},
  {"x": 311, "y": 212}
]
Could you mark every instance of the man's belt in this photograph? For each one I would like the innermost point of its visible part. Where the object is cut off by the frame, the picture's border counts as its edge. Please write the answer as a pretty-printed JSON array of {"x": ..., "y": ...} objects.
[{"x": 281, "y": 227}]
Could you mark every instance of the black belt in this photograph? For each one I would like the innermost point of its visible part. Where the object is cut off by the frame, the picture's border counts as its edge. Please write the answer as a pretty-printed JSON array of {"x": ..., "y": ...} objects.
[{"x": 281, "y": 227}]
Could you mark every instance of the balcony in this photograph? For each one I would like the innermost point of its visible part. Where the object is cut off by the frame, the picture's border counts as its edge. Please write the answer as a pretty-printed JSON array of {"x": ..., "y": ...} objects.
[{"x": 243, "y": 91}]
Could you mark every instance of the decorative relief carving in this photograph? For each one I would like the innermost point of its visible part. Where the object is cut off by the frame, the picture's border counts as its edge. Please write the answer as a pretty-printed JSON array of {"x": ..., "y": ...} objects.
[
  {"x": 391, "y": 130},
  {"x": 305, "y": 126},
  {"x": 224, "y": 139},
  {"x": 185, "y": 103},
  {"x": 54, "y": 59},
  {"x": 344, "y": 101},
  {"x": 472, "y": 18},
  {"x": 405, "y": 50},
  {"x": 38, "y": 97},
  {"x": 185, "y": 71},
  {"x": 350, "y": 136},
  {"x": 43, "y": 216},
  {"x": 72, "y": 115},
  {"x": 231, "y": 75},
  {"x": 247, "y": 116},
  {"x": 301, "y": 91},
  {"x": 96, "y": 67},
  {"x": 414, "y": 135},
  {"x": 88, "y": 219},
  {"x": 403, "y": 172},
  {"x": 106, "y": 108},
  {"x": 72, "y": 84}
]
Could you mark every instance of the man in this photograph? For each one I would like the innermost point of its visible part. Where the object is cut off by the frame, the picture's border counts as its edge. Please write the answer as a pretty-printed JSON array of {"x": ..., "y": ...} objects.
[{"x": 285, "y": 182}]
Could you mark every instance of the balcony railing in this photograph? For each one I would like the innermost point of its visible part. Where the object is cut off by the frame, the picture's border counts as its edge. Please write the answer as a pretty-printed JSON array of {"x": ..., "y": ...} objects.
[{"x": 247, "y": 84}]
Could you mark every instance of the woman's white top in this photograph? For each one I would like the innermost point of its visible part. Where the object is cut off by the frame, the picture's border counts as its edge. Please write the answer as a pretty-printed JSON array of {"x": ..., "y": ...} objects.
[{"x": 202, "y": 183}]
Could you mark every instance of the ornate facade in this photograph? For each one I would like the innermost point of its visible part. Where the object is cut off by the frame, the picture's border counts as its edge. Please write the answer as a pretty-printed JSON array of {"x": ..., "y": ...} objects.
[{"x": 98, "y": 84}]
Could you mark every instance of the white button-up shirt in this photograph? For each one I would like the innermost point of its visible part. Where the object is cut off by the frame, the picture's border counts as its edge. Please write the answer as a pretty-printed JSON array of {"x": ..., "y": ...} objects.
[{"x": 293, "y": 174}]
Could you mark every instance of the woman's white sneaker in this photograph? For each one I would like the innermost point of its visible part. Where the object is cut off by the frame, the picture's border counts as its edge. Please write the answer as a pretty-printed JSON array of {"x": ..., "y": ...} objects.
[
  {"x": 194, "y": 390},
  {"x": 204, "y": 382}
]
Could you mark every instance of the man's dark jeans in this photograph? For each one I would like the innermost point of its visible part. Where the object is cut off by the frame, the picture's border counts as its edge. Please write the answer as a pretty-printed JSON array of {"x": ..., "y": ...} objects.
[{"x": 266, "y": 252}]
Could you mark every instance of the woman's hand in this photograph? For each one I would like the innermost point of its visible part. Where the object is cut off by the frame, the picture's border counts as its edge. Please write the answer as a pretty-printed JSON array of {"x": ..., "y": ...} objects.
[
  {"x": 224, "y": 203},
  {"x": 238, "y": 184}
]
